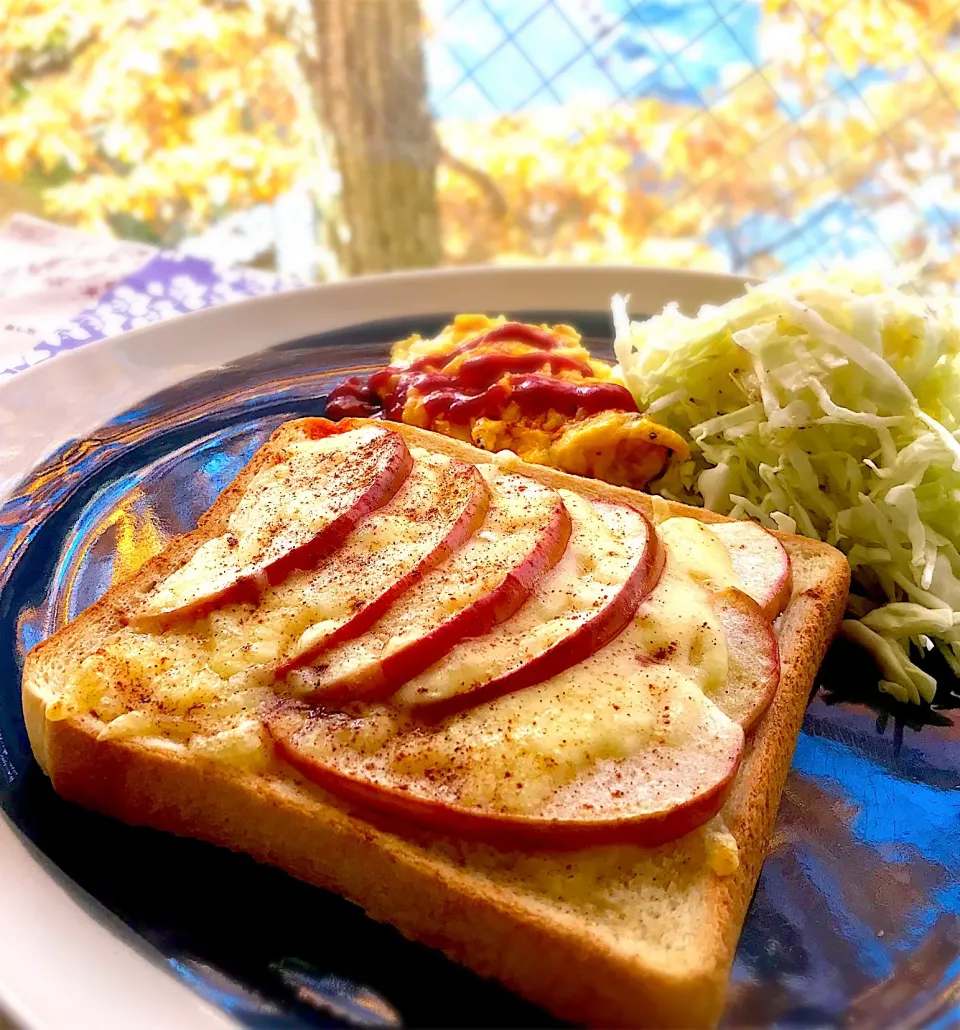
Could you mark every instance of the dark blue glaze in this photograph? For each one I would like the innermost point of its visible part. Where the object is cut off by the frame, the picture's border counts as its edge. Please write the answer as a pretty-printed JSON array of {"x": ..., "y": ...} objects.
[{"x": 856, "y": 920}]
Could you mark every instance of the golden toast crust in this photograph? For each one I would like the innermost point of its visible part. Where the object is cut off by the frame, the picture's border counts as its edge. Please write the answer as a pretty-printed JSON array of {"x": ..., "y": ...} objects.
[{"x": 432, "y": 888}]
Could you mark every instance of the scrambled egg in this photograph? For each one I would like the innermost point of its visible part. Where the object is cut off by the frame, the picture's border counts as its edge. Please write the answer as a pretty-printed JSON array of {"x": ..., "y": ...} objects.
[{"x": 615, "y": 445}]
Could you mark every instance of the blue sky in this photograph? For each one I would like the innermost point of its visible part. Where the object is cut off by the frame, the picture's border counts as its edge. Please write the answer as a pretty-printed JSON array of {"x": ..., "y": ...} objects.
[
  {"x": 495, "y": 56},
  {"x": 491, "y": 57}
]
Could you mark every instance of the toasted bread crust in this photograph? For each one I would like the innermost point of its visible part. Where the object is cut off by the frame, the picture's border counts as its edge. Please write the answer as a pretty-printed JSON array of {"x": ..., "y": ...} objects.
[{"x": 429, "y": 887}]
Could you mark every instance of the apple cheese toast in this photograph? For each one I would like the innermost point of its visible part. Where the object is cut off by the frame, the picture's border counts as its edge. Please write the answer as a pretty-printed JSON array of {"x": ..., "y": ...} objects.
[{"x": 539, "y": 722}]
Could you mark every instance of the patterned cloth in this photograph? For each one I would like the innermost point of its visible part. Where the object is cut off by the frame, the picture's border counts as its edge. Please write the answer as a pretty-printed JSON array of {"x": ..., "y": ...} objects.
[{"x": 49, "y": 275}]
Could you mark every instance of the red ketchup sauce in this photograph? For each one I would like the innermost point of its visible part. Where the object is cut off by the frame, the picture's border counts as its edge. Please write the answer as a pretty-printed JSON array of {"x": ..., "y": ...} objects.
[
  {"x": 533, "y": 394},
  {"x": 512, "y": 332},
  {"x": 486, "y": 369},
  {"x": 484, "y": 385},
  {"x": 352, "y": 399}
]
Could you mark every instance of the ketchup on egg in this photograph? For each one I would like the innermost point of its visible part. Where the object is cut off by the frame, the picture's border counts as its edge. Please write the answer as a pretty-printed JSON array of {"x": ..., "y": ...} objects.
[{"x": 485, "y": 384}]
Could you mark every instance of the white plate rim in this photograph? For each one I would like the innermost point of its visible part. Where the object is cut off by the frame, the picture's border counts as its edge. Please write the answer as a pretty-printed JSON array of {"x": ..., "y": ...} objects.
[{"x": 64, "y": 960}]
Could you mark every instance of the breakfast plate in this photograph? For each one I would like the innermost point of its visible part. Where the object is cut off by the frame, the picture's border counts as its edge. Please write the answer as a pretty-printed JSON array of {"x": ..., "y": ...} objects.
[{"x": 121, "y": 444}]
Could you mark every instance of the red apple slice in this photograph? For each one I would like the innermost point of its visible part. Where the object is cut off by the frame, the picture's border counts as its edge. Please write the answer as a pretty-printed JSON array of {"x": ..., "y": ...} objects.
[
  {"x": 760, "y": 562},
  {"x": 625, "y": 754},
  {"x": 611, "y": 562},
  {"x": 522, "y": 538},
  {"x": 440, "y": 506},
  {"x": 694, "y": 618},
  {"x": 753, "y": 659},
  {"x": 291, "y": 512}
]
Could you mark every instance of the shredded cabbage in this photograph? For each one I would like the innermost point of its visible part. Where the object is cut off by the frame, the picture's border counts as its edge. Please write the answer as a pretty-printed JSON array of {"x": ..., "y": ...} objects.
[{"x": 828, "y": 405}]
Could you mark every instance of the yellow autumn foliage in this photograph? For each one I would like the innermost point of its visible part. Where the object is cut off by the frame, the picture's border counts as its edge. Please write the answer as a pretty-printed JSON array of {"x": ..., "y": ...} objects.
[
  {"x": 173, "y": 112},
  {"x": 169, "y": 112},
  {"x": 814, "y": 38}
]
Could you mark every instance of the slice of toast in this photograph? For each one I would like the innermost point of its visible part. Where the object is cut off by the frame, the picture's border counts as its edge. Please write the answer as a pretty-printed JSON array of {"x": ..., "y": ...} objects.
[{"x": 613, "y": 936}]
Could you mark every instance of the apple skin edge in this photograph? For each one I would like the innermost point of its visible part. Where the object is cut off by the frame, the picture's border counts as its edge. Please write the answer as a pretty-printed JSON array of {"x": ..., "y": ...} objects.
[
  {"x": 753, "y": 655},
  {"x": 475, "y": 619},
  {"x": 465, "y": 522},
  {"x": 695, "y": 791},
  {"x": 652, "y": 797},
  {"x": 761, "y": 563},
  {"x": 587, "y": 639},
  {"x": 666, "y": 793},
  {"x": 387, "y": 476}
]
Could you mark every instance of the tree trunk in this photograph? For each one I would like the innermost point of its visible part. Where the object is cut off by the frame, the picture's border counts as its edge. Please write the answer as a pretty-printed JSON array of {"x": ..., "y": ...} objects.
[{"x": 369, "y": 91}]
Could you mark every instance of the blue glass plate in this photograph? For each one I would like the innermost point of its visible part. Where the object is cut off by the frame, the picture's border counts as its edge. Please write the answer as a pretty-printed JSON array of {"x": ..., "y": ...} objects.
[{"x": 856, "y": 919}]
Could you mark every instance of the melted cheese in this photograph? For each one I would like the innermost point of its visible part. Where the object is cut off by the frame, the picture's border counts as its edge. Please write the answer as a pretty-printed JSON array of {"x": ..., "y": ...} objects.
[
  {"x": 307, "y": 607},
  {"x": 149, "y": 685},
  {"x": 599, "y": 559},
  {"x": 282, "y": 508},
  {"x": 519, "y": 512},
  {"x": 699, "y": 552},
  {"x": 677, "y": 623},
  {"x": 513, "y": 752}
]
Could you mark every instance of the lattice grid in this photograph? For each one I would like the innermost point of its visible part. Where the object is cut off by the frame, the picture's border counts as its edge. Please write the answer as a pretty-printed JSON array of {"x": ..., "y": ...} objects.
[{"x": 869, "y": 200}]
